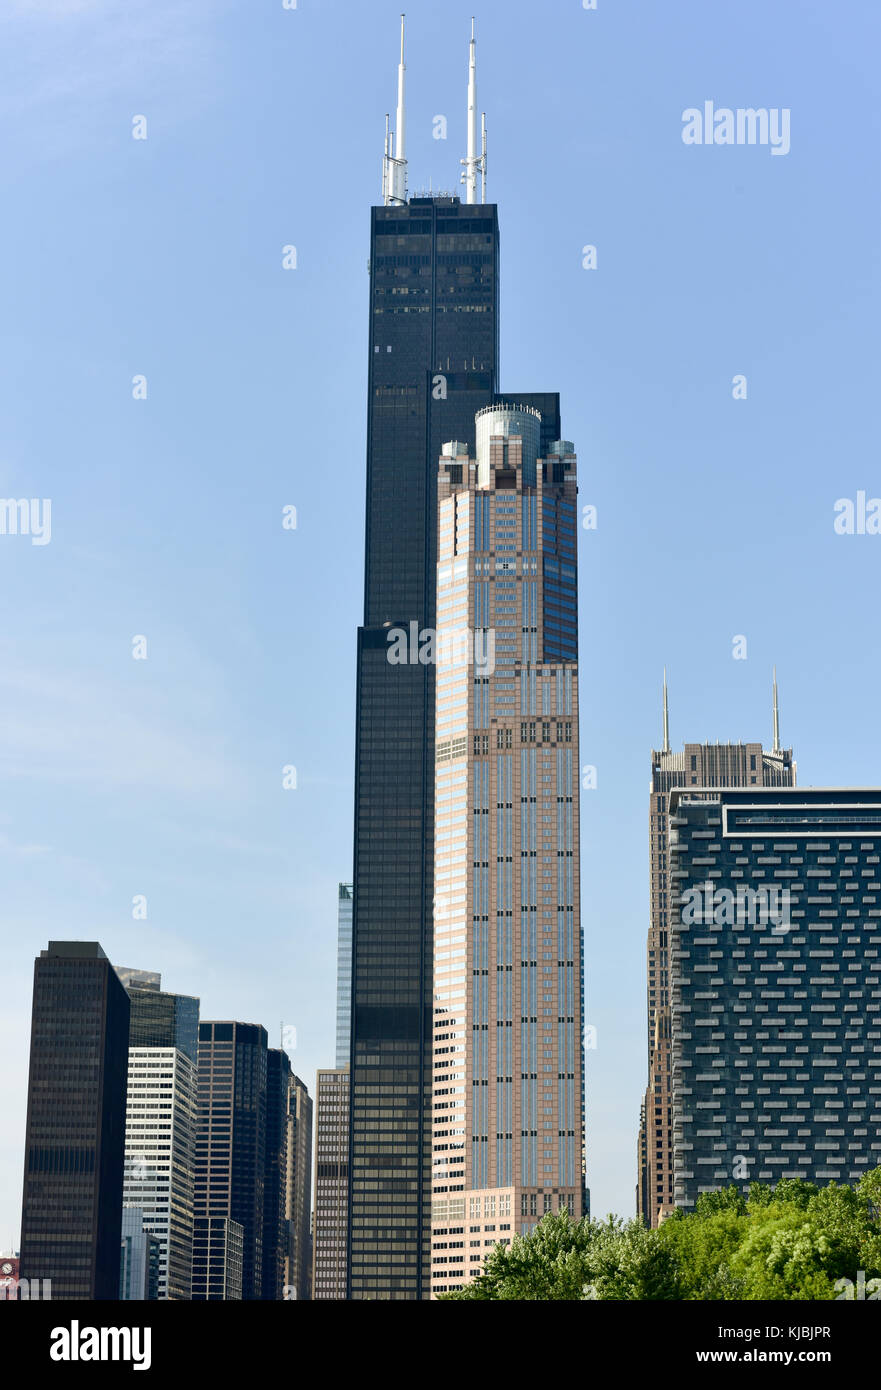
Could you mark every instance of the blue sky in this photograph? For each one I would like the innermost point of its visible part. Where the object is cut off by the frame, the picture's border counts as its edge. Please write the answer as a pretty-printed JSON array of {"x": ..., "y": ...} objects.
[{"x": 163, "y": 257}]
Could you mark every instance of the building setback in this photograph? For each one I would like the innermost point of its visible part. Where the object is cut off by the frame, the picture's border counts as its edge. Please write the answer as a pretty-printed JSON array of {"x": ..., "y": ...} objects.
[
  {"x": 230, "y": 1157},
  {"x": 508, "y": 1139},
  {"x": 75, "y": 1139},
  {"x": 331, "y": 1183},
  {"x": 707, "y": 765},
  {"x": 160, "y": 1137},
  {"x": 776, "y": 984}
]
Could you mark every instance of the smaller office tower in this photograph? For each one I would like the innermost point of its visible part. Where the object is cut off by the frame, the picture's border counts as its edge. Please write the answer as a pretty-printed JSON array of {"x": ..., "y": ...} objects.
[
  {"x": 160, "y": 1131},
  {"x": 218, "y": 1244},
  {"x": 331, "y": 1183},
  {"x": 699, "y": 765},
  {"x": 140, "y": 1256},
  {"x": 230, "y": 1156},
  {"x": 344, "y": 976},
  {"x": 776, "y": 982},
  {"x": 298, "y": 1266},
  {"x": 508, "y": 1141},
  {"x": 277, "y": 1228},
  {"x": 75, "y": 1140}
]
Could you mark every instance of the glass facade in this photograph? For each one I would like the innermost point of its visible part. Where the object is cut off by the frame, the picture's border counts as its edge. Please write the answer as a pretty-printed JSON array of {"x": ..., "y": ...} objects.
[
  {"x": 74, "y": 1148},
  {"x": 230, "y": 1155},
  {"x": 776, "y": 985}
]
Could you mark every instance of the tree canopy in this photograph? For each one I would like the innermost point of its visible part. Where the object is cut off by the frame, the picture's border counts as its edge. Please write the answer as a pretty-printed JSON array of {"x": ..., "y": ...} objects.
[{"x": 792, "y": 1241}]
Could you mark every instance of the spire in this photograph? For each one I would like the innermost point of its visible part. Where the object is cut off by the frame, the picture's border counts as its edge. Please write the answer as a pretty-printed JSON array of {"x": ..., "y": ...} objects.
[
  {"x": 394, "y": 164},
  {"x": 473, "y": 162},
  {"x": 666, "y": 748},
  {"x": 776, "y": 716}
]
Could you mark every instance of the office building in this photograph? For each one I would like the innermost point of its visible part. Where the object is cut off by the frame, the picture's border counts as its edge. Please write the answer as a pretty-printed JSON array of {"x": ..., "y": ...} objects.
[
  {"x": 508, "y": 1141},
  {"x": 277, "y": 1230},
  {"x": 433, "y": 363},
  {"x": 75, "y": 1139},
  {"x": 707, "y": 765},
  {"x": 298, "y": 1266},
  {"x": 160, "y": 1135},
  {"x": 331, "y": 1184},
  {"x": 344, "y": 976},
  {"x": 218, "y": 1244},
  {"x": 230, "y": 1157},
  {"x": 776, "y": 985},
  {"x": 139, "y": 1260}
]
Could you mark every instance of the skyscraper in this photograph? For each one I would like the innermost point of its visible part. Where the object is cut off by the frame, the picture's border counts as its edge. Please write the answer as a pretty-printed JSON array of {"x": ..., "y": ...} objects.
[
  {"x": 432, "y": 364},
  {"x": 331, "y": 1184},
  {"x": 705, "y": 765},
  {"x": 776, "y": 985},
  {"x": 230, "y": 1156},
  {"x": 508, "y": 1025},
  {"x": 344, "y": 976},
  {"x": 139, "y": 1260},
  {"x": 160, "y": 1135},
  {"x": 277, "y": 1232},
  {"x": 74, "y": 1147},
  {"x": 298, "y": 1268}
]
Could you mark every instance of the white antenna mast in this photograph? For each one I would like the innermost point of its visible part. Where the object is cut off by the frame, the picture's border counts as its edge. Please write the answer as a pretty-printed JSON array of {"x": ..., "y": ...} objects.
[
  {"x": 483, "y": 158},
  {"x": 394, "y": 169},
  {"x": 472, "y": 160}
]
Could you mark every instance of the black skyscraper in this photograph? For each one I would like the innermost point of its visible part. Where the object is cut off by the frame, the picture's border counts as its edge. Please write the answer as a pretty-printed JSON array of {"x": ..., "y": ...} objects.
[
  {"x": 75, "y": 1145},
  {"x": 433, "y": 354},
  {"x": 230, "y": 1153},
  {"x": 277, "y": 1232}
]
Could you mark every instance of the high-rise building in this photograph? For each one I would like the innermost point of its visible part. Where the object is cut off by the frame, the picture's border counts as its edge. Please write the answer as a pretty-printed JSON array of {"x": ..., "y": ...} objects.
[
  {"x": 344, "y": 976},
  {"x": 218, "y": 1245},
  {"x": 508, "y": 1141},
  {"x": 277, "y": 1229},
  {"x": 74, "y": 1148},
  {"x": 433, "y": 363},
  {"x": 298, "y": 1267},
  {"x": 230, "y": 1157},
  {"x": 706, "y": 765},
  {"x": 329, "y": 1240},
  {"x": 139, "y": 1259},
  {"x": 160, "y": 1132},
  {"x": 776, "y": 985}
]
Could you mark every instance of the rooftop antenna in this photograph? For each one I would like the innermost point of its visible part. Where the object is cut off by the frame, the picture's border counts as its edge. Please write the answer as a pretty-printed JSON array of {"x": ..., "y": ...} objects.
[
  {"x": 474, "y": 163},
  {"x": 394, "y": 167},
  {"x": 777, "y": 748},
  {"x": 666, "y": 748}
]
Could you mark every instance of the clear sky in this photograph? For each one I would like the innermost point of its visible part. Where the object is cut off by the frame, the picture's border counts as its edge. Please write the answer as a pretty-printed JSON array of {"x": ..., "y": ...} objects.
[{"x": 162, "y": 257}]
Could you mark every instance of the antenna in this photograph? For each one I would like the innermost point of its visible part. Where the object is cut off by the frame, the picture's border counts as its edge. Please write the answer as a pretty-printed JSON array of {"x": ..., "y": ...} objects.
[
  {"x": 394, "y": 166},
  {"x": 483, "y": 159},
  {"x": 473, "y": 162},
  {"x": 666, "y": 748},
  {"x": 776, "y": 716}
]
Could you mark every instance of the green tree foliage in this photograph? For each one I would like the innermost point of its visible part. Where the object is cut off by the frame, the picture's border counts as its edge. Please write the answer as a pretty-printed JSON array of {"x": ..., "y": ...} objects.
[{"x": 793, "y": 1241}]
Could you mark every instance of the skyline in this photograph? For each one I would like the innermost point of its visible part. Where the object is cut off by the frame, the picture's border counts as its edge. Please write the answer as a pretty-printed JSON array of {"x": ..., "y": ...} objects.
[{"x": 168, "y": 786}]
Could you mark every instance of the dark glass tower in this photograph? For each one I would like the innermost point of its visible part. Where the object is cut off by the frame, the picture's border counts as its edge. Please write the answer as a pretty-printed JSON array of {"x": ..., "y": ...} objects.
[
  {"x": 433, "y": 364},
  {"x": 276, "y": 1230},
  {"x": 230, "y": 1154},
  {"x": 74, "y": 1149}
]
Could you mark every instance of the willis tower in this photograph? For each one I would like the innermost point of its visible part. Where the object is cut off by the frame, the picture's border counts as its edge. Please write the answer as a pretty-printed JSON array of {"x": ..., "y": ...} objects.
[{"x": 433, "y": 364}]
